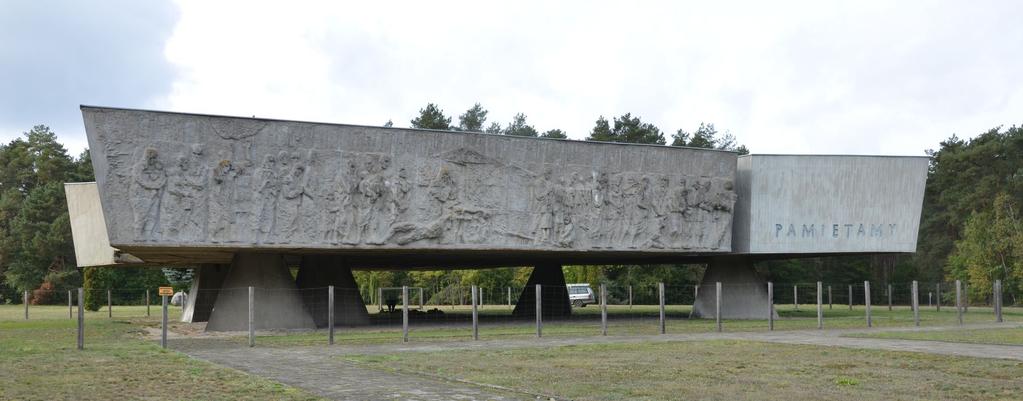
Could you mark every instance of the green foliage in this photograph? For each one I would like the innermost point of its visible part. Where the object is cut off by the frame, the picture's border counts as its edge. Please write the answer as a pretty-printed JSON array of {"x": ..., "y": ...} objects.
[
  {"x": 431, "y": 117},
  {"x": 554, "y": 133},
  {"x": 990, "y": 249},
  {"x": 707, "y": 137},
  {"x": 389, "y": 124},
  {"x": 627, "y": 129},
  {"x": 965, "y": 176},
  {"x": 35, "y": 234},
  {"x": 519, "y": 127},
  {"x": 473, "y": 119},
  {"x": 127, "y": 284},
  {"x": 494, "y": 128}
]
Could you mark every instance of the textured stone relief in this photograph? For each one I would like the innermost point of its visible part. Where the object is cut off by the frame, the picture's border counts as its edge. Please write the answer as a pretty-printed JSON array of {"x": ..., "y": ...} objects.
[{"x": 395, "y": 188}]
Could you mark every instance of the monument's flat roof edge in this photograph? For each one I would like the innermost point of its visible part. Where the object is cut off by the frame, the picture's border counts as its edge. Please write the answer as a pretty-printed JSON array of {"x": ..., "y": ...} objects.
[
  {"x": 80, "y": 183},
  {"x": 831, "y": 155},
  {"x": 94, "y": 107}
]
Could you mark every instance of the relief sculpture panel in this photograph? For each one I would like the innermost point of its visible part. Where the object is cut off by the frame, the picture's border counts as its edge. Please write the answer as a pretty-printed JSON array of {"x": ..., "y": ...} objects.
[{"x": 249, "y": 183}]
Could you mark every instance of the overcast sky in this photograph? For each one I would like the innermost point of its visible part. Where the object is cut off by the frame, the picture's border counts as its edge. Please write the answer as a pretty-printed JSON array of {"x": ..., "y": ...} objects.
[{"x": 860, "y": 77}]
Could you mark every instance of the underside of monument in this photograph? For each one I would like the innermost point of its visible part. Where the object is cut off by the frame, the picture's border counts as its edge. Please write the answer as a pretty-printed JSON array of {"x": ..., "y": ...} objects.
[{"x": 248, "y": 201}]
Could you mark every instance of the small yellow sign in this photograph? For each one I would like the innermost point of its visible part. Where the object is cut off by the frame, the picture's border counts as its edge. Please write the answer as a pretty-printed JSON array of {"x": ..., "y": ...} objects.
[{"x": 168, "y": 291}]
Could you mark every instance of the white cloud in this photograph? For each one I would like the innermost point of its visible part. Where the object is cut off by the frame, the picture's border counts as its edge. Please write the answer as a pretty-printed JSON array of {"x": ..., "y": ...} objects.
[{"x": 805, "y": 77}]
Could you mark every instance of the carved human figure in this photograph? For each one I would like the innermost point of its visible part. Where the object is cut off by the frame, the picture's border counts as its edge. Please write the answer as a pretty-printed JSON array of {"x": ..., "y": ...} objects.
[
  {"x": 400, "y": 193},
  {"x": 678, "y": 209},
  {"x": 222, "y": 201},
  {"x": 562, "y": 207},
  {"x": 334, "y": 204},
  {"x": 150, "y": 179},
  {"x": 268, "y": 187},
  {"x": 543, "y": 226},
  {"x": 293, "y": 190},
  {"x": 185, "y": 202},
  {"x": 350, "y": 211}
]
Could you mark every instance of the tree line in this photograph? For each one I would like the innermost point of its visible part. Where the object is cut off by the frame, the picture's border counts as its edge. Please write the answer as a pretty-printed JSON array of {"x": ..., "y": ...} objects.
[{"x": 970, "y": 226}]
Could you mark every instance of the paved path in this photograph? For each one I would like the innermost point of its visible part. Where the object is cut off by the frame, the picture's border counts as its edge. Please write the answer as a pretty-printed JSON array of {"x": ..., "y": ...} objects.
[{"x": 316, "y": 368}]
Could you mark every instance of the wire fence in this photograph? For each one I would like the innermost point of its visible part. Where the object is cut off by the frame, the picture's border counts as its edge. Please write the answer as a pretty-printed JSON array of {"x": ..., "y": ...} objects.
[{"x": 402, "y": 314}]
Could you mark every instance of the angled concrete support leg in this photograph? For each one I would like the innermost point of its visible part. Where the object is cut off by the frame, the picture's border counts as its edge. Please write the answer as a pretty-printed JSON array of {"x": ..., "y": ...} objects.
[
  {"x": 554, "y": 296},
  {"x": 278, "y": 304},
  {"x": 743, "y": 291},
  {"x": 315, "y": 273},
  {"x": 206, "y": 284}
]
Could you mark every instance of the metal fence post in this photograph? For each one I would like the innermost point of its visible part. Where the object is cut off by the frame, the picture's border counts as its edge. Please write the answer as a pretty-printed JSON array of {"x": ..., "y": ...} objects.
[
  {"x": 252, "y": 316},
  {"x": 795, "y": 296},
  {"x": 421, "y": 306},
  {"x": 475, "y": 315},
  {"x": 70, "y": 309},
  {"x": 866, "y": 302},
  {"x": 820, "y": 306},
  {"x": 916, "y": 303},
  {"x": 110, "y": 305},
  {"x": 603, "y": 309},
  {"x": 959, "y": 302},
  {"x": 930, "y": 299},
  {"x": 147, "y": 303},
  {"x": 404, "y": 313},
  {"x": 330, "y": 315},
  {"x": 509, "y": 297},
  {"x": 81, "y": 318},
  {"x": 660, "y": 300},
  {"x": 830, "y": 304},
  {"x": 630, "y": 297},
  {"x": 717, "y": 304},
  {"x": 770, "y": 305},
  {"x": 163, "y": 324},
  {"x": 998, "y": 301},
  {"x": 937, "y": 292},
  {"x": 380, "y": 299},
  {"x": 966, "y": 297},
  {"x": 850, "y": 297},
  {"x": 539, "y": 311},
  {"x": 889, "y": 297},
  {"x": 24, "y": 298}
]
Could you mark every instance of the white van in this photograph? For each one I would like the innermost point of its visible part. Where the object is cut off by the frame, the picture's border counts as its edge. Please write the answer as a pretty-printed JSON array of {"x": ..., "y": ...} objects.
[{"x": 580, "y": 295}]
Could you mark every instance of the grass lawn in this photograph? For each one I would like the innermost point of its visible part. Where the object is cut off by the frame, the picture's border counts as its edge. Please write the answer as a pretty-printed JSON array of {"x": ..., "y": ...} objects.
[
  {"x": 728, "y": 370},
  {"x": 1007, "y": 336},
  {"x": 38, "y": 361}
]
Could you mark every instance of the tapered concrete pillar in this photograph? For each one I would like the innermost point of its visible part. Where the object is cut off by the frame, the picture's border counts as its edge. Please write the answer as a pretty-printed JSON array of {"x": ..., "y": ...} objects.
[
  {"x": 315, "y": 273},
  {"x": 554, "y": 300},
  {"x": 277, "y": 301},
  {"x": 743, "y": 291},
  {"x": 206, "y": 284}
]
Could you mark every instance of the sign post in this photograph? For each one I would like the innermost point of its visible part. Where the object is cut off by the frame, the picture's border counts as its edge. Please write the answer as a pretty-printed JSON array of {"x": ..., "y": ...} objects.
[{"x": 164, "y": 293}]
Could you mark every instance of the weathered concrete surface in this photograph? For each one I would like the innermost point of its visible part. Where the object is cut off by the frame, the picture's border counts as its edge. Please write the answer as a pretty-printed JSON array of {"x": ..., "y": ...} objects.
[
  {"x": 89, "y": 229},
  {"x": 553, "y": 294},
  {"x": 318, "y": 271},
  {"x": 743, "y": 291},
  {"x": 198, "y": 188},
  {"x": 278, "y": 303},
  {"x": 810, "y": 204},
  {"x": 206, "y": 283}
]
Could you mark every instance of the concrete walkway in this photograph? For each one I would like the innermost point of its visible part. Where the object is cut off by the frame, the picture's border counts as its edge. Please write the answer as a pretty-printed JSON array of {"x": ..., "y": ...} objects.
[{"x": 316, "y": 369}]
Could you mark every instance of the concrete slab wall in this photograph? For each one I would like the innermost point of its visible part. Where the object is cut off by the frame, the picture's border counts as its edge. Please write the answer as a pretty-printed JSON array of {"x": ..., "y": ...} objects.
[
  {"x": 88, "y": 227},
  {"x": 809, "y": 204},
  {"x": 171, "y": 182}
]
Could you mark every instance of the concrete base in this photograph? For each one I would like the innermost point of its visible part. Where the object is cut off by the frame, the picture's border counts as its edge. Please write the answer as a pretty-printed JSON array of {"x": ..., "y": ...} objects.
[
  {"x": 315, "y": 273},
  {"x": 277, "y": 303},
  {"x": 743, "y": 291},
  {"x": 554, "y": 300},
  {"x": 206, "y": 285}
]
